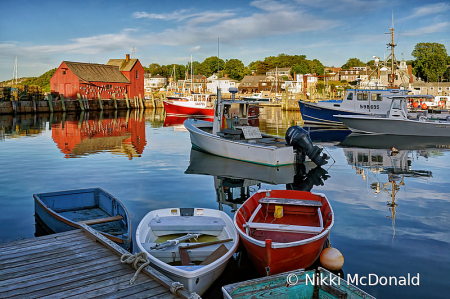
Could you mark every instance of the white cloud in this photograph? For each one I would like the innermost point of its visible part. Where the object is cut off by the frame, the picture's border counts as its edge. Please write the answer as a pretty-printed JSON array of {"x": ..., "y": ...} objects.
[
  {"x": 439, "y": 27},
  {"x": 183, "y": 14},
  {"x": 431, "y": 9}
]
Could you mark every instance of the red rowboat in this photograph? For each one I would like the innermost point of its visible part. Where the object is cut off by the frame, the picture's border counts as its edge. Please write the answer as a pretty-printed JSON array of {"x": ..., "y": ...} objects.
[{"x": 292, "y": 241}]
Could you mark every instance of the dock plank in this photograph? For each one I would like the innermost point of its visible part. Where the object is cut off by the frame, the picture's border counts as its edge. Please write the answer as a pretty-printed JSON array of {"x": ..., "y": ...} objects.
[
  {"x": 52, "y": 262},
  {"x": 54, "y": 273},
  {"x": 40, "y": 239},
  {"x": 44, "y": 255},
  {"x": 106, "y": 287},
  {"x": 140, "y": 291},
  {"x": 26, "y": 282},
  {"x": 7, "y": 273},
  {"x": 49, "y": 243},
  {"x": 32, "y": 292}
]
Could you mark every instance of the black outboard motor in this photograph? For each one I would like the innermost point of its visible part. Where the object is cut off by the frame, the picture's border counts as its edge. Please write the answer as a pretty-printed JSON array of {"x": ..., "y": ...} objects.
[
  {"x": 300, "y": 140},
  {"x": 305, "y": 182}
]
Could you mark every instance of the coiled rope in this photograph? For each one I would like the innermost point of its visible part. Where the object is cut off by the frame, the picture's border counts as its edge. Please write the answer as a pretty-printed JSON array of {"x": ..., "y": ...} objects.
[{"x": 136, "y": 258}]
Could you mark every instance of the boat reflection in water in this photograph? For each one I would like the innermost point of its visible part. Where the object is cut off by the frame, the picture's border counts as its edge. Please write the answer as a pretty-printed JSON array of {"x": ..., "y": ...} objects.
[
  {"x": 328, "y": 134},
  {"x": 399, "y": 142},
  {"x": 235, "y": 181},
  {"x": 121, "y": 133},
  {"x": 373, "y": 164}
]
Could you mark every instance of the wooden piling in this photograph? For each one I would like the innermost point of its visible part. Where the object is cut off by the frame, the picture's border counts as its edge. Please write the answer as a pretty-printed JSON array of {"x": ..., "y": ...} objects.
[
  {"x": 115, "y": 101},
  {"x": 126, "y": 99},
  {"x": 141, "y": 102},
  {"x": 80, "y": 101},
  {"x": 63, "y": 105},
  {"x": 50, "y": 103},
  {"x": 100, "y": 102}
]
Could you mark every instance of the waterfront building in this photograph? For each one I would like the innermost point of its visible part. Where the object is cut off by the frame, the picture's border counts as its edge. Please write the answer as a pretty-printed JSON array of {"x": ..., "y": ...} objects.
[
  {"x": 250, "y": 84},
  {"x": 153, "y": 83},
  {"x": 118, "y": 76}
]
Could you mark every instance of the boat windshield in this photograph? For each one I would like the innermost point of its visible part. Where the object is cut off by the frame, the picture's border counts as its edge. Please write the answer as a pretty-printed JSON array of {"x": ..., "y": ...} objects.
[{"x": 397, "y": 104}]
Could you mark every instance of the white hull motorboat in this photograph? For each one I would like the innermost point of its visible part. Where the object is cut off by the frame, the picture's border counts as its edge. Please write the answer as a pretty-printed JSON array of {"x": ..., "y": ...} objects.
[
  {"x": 213, "y": 239},
  {"x": 275, "y": 153},
  {"x": 230, "y": 136}
]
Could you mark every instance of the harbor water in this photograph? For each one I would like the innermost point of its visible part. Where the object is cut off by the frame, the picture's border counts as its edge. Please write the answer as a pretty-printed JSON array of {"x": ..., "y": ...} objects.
[{"x": 391, "y": 206}]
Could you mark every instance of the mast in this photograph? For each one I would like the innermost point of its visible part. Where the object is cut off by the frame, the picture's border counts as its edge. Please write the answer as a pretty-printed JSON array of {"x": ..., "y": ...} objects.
[
  {"x": 392, "y": 56},
  {"x": 14, "y": 72},
  {"x": 192, "y": 71}
]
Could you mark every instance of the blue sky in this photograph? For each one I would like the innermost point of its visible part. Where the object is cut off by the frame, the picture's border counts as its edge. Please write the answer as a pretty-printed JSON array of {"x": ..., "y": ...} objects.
[{"x": 42, "y": 34}]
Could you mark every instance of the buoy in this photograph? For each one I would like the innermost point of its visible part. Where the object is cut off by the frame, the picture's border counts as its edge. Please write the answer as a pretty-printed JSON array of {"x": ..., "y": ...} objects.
[
  {"x": 332, "y": 259},
  {"x": 415, "y": 104},
  {"x": 424, "y": 106}
]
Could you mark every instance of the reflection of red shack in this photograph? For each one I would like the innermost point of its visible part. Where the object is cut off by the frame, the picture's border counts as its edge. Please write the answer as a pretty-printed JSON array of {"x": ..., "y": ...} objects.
[{"x": 92, "y": 136}]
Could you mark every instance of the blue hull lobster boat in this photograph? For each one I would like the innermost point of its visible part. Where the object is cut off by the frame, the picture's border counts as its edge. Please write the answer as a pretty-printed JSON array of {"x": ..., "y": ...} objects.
[{"x": 355, "y": 102}]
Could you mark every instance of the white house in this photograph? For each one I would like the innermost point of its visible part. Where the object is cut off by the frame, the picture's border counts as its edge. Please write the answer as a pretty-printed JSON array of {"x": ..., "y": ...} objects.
[
  {"x": 297, "y": 85},
  {"x": 223, "y": 83}
]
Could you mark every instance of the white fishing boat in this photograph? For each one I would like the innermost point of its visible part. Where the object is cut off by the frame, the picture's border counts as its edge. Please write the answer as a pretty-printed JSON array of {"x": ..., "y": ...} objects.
[
  {"x": 396, "y": 121},
  {"x": 257, "y": 97},
  {"x": 189, "y": 245},
  {"x": 231, "y": 136}
]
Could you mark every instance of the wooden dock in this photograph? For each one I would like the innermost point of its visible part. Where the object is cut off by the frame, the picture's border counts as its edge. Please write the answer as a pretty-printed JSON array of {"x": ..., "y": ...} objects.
[{"x": 76, "y": 264}]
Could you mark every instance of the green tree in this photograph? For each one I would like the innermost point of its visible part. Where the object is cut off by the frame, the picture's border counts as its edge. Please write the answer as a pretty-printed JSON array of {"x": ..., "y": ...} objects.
[
  {"x": 263, "y": 67},
  {"x": 235, "y": 69},
  {"x": 43, "y": 80},
  {"x": 152, "y": 67},
  {"x": 352, "y": 62},
  {"x": 300, "y": 68},
  {"x": 210, "y": 66},
  {"x": 320, "y": 86},
  {"x": 318, "y": 67},
  {"x": 430, "y": 61}
]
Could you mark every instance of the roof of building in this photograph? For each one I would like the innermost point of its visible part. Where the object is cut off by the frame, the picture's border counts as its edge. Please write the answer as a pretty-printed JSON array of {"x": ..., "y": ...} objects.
[
  {"x": 253, "y": 80},
  {"x": 123, "y": 64},
  {"x": 196, "y": 77},
  {"x": 93, "y": 72},
  {"x": 280, "y": 69}
]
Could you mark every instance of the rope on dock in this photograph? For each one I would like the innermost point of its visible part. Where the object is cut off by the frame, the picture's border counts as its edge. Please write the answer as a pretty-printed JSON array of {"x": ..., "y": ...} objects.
[
  {"x": 136, "y": 258},
  {"x": 176, "y": 286}
]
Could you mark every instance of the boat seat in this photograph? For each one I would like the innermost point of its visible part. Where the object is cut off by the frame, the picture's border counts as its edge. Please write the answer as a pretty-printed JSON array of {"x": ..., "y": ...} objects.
[
  {"x": 172, "y": 253},
  {"x": 231, "y": 131},
  {"x": 101, "y": 220},
  {"x": 284, "y": 228},
  {"x": 187, "y": 224},
  {"x": 291, "y": 202}
]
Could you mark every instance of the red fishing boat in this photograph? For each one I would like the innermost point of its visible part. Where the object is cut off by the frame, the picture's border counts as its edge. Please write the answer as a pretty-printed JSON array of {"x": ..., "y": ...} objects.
[
  {"x": 195, "y": 104},
  {"x": 284, "y": 230}
]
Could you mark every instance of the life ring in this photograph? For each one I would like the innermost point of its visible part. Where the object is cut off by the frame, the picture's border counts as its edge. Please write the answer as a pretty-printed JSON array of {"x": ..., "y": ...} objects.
[{"x": 441, "y": 104}]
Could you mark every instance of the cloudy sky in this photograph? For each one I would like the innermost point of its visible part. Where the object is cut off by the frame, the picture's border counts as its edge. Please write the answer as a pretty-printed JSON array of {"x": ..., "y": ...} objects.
[{"x": 42, "y": 34}]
